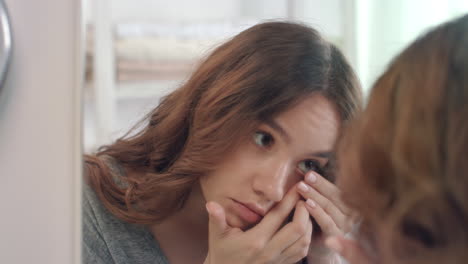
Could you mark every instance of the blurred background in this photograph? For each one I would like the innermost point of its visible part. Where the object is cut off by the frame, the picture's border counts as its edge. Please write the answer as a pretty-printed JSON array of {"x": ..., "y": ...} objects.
[{"x": 138, "y": 50}]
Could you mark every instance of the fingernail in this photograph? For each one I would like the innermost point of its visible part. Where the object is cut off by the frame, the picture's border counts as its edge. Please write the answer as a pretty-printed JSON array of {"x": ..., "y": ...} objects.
[
  {"x": 311, "y": 177},
  {"x": 208, "y": 207},
  {"x": 303, "y": 187},
  {"x": 310, "y": 203},
  {"x": 334, "y": 244},
  {"x": 211, "y": 208}
]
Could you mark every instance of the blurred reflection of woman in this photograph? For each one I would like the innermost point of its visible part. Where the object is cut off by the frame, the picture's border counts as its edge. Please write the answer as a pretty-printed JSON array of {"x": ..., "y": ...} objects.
[{"x": 404, "y": 162}]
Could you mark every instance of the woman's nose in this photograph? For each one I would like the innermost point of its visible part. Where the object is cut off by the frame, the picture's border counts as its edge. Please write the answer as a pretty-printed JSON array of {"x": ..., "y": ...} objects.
[{"x": 271, "y": 182}]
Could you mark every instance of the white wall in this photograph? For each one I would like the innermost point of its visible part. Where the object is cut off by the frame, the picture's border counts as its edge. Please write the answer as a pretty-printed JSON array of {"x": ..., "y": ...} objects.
[
  {"x": 263, "y": 9},
  {"x": 40, "y": 136},
  {"x": 326, "y": 16},
  {"x": 389, "y": 26},
  {"x": 170, "y": 11}
]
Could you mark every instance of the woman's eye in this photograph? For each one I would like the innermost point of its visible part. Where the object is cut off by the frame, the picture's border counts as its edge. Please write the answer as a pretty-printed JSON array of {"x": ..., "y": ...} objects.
[
  {"x": 308, "y": 165},
  {"x": 263, "y": 139}
]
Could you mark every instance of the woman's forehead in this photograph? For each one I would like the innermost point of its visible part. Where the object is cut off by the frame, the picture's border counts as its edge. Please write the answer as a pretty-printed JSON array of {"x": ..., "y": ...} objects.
[{"x": 312, "y": 122}]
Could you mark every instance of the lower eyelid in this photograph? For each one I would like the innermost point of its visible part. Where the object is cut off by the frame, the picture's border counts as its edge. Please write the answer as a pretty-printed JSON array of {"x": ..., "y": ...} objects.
[{"x": 298, "y": 170}]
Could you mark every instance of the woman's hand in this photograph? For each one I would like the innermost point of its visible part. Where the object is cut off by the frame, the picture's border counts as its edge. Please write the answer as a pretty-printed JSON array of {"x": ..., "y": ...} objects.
[
  {"x": 323, "y": 202},
  {"x": 270, "y": 241}
]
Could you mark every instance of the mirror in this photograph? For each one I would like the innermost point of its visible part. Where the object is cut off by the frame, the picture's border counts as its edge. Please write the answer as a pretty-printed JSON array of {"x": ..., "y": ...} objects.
[
  {"x": 138, "y": 51},
  {"x": 5, "y": 42}
]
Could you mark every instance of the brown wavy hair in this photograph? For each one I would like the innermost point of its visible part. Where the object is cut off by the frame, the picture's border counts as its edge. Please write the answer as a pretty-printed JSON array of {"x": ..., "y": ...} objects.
[
  {"x": 251, "y": 78},
  {"x": 404, "y": 162}
]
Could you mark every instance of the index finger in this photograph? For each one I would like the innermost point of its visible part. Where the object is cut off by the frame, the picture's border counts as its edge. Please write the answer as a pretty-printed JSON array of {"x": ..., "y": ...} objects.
[
  {"x": 277, "y": 215},
  {"x": 327, "y": 189}
]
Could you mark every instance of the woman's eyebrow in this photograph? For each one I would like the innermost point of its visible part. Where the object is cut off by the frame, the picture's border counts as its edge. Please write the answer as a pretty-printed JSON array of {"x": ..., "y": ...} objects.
[
  {"x": 278, "y": 128},
  {"x": 275, "y": 126},
  {"x": 322, "y": 154}
]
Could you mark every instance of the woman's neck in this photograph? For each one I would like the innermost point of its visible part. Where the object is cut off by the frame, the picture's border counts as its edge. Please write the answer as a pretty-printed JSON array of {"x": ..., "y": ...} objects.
[{"x": 185, "y": 231}]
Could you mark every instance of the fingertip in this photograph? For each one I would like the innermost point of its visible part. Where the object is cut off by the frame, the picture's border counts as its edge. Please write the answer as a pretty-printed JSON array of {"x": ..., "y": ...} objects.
[
  {"x": 211, "y": 208},
  {"x": 208, "y": 206},
  {"x": 214, "y": 209},
  {"x": 311, "y": 177}
]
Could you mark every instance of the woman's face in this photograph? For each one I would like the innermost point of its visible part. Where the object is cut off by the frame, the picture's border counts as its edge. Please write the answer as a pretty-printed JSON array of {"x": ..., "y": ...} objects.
[{"x": 258, "y": 173}]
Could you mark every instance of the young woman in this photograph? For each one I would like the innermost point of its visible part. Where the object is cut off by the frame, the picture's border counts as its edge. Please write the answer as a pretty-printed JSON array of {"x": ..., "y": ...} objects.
[
  {"x": 259, "y": 113},
  {"x": 404, "y": 162}
]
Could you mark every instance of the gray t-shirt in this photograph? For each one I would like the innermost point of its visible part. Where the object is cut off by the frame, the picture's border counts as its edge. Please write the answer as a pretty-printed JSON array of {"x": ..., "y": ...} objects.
[{"x": 107, "y": 239}]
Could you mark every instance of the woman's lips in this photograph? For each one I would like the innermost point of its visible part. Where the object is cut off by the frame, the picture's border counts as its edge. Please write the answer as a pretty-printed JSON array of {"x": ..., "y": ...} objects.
[{"x": 246, "y": 213}]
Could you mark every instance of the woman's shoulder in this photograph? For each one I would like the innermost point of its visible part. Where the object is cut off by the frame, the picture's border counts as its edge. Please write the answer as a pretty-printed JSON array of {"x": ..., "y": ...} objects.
[
  {"x": 108, "y": 239},
  {"x": 94, "y": 249},
  {"x": 94, "y": 211}
]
